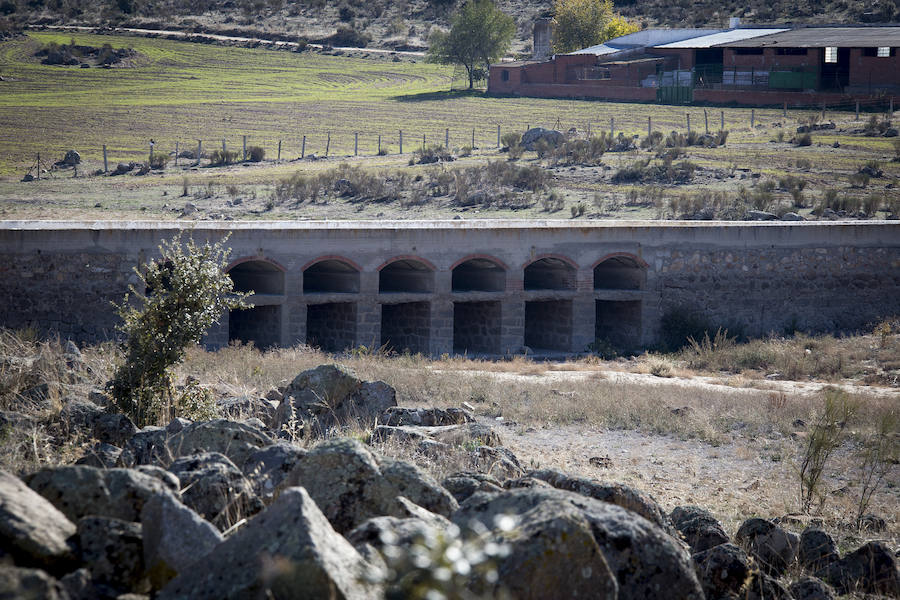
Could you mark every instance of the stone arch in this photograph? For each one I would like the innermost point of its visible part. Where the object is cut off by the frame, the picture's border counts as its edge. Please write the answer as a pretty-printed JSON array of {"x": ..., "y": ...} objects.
[
  {"x": 550, "y": 272},
  {"x": 260, "y": 325},
  {"x": 406, "y": 274},
  {"x": 620, "y": 271},
  {"x": 478, "y": 273},
  {"x": 258, "y": 274},
  {"x": 331, "y": 274}
]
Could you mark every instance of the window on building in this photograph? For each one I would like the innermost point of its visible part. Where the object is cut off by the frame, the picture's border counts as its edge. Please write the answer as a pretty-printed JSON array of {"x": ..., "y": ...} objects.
[
  {"x": 883, "y": 51},
  {"x": 790, "y": 51},
  {"x": 504, "y": 75},
  {"x": 831, "y": 54},
  {"x": 748, "y": 51}
]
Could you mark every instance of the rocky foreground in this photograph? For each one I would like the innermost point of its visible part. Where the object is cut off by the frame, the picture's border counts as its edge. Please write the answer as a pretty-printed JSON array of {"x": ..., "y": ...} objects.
[{"x": 237, "y": 508}]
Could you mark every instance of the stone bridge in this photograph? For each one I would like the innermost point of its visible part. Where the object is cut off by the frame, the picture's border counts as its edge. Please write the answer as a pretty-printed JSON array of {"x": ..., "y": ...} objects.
[{"x": 479, "y": 287}]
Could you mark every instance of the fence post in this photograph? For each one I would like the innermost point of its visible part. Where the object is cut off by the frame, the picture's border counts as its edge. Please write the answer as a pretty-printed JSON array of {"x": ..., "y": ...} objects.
[
  {"x": 891, "y": 114},
  {"x": 423, "y": 142},
  {"x": 447, "y": 138},
  {"x": 857, "y": 110},
  {"x": 473, "y": 139},
  {"x": 589, "y": 130},
  {"x": 706, "y": 121},
  {"x": 199, "y": 151},
  {"x": 328, "y": 144},
  {"x": 401, "y": 141},
  {"x": 379, "y": 143},
  {"x": 279, "y": 152},
  {"x": 722, "y": 120},
  {"x": 39, "y": 166},
  {"x": 784, "y": 111},
  {"x": 303, "y": 148},
  {"x": 822, "y": 118},
  {"x": 649, "y": 126},
  {"x": 498, "y": 136},
  {"x": 752, "y": 118},
  {"x": 224, "y": 154},
  {"x": 688, "y": 116},
  {"x": 106, "y": 164},
  {"x": 245, "y": 149},
  {"x": 176, "y": 155},
  {"x": 151, "y": 152},
  {"x": 612, "y": 125},
  {"x": 356, "y": 143}
]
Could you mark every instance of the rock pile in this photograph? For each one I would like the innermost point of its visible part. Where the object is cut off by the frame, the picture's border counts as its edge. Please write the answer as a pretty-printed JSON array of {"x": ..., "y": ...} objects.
[{"x": 226, "y": 509}]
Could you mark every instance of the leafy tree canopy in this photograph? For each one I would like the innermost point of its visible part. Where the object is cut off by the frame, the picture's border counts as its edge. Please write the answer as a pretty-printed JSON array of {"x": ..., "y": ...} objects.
[
  {"x": 578, "y": 24},
  {"x": 480, "y": 34}
]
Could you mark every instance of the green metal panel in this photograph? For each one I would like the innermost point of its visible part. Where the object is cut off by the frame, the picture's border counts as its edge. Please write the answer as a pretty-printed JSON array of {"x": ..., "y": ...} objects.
[
  {"x": 793, "y": 80},
  {"x": 676, "y": 94}
]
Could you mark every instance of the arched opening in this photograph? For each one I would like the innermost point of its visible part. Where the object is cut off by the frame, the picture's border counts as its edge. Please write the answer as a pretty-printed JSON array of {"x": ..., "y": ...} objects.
[
  {"x": 406, "y": 275},
  {"x": 619, "y": 273},
  {"x": 550, "y": 274},
  {"x": 258, "y": 276},
  {"x": 479, "y": 275},
  {"x": 260, "y": 325},
  {"x": 331, "y": 276}
]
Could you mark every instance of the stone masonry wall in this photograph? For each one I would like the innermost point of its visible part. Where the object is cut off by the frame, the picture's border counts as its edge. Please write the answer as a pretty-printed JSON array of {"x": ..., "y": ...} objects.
[
  {"x": 331, "y": 327},
  {"x": 476, "y": 327},
  {"x": 548, "y": 325},
  {"x": 406, "y": 326}
]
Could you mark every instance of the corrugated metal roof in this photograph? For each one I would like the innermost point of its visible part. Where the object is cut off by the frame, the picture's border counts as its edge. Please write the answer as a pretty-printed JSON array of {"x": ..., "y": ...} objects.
[
  {"x": 644, "y": 39},
  {"x": 820, "y": 37},
  {"x": 721, "y": 38}
]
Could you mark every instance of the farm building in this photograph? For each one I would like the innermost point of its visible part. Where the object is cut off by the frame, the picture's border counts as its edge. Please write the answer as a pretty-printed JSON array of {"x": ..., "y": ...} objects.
[{"x": 745, "y": 65}]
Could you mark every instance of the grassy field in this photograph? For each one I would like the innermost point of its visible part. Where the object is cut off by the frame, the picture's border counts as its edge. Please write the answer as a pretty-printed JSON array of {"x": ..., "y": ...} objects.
[{"x": 181, "y": 92}]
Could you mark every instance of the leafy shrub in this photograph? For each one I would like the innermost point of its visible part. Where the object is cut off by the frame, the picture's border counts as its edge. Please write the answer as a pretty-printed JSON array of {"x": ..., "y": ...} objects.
[
  {"x": 220, "y": 158},
  {"x": 431, "y": 154},
  {"x": 804, "y": 139},
  {"x": 513, "y": 143},
  {"x": 186, "y": 291},
  {"x": 159, "y": 161},
  {"x": 653, "y": 140},
  {"x": 580, "y": 152},
  {"x": 348, "y": 36},
  {"x": 256, "y": 153}
]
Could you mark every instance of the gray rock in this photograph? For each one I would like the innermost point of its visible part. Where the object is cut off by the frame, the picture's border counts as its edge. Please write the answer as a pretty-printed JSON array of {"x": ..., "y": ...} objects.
[
  {"x": 351, "y": 485},
  {"x": 289, "y": 550},
  {"x": 774, "y": 548},
  {"x": 613, "y": 493},
  {"x": 331, "y": 396},
  {"x": 811, "y": 588},
  {"x": 215, "y": 489},
  {"x": 760, "y": 215},
  {"x": 123, "y": 168},
  {"x": 101, "y": 455},
  {"x": 267, "y": 468},
  {"x": 645, "y": 560},
  {"x": 79, "y": 491},
  {"x": 146, "y": 447},
  {"x": 29, "y": 584},
  {"x": 177, "y": 424},
  {"x": 428, "y": 417},
  {"x": 80, "y": 586},
  {"x": 71, "y": 158},
  {"x": 763, "y": 587},
  {"x": 871, "y": 568},
  {"x": 246, "y": 407},
  {"x": 78, "y": 413},
  {"x": 237, "y": 441},
  {"x": 379, "y": 535},
  {"x": 722, "y": 570},
  {"x": 168, "y": 479},
  {"x": 463, "y": 485},
  {"x": 32, "y": 530},
  {"x": 500, "y": 462},
  {"x": 113, "y": 428},
  {"x": 175, "y": 537},
  {"x": 699, "y": 528},
  {"x": 112, "y": 550},
  {"x": 817, "y": 550},
  {"x": 531, "y": 137},
  {"x": 792, "y": 216},
  {"x": 467, "y": 434}
]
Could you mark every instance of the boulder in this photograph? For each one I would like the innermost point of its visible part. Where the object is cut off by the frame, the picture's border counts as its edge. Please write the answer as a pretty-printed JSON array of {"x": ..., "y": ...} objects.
[
  {"x": 215, "y": 488},
  {"x": 112, "y": 550},
  {"x": 175, "y": 538},
  {"x": 811, "y": 588},
  {"x": 123, "y": 168},
  {"x": 247, "y": 407},
  {"x": 613, "y": 493},
  {"x": 71, "y": 158},
  {"x": 467, "y": 434},
  {"x": 168, "y": 479},
  {"x": 871, "y": 568},
  {"x": 428, "y": 417},
  {"x": 17, "y": 583},
  {"x": 773, "y": 548},
  {"x": 288, "y": 550},
  {"x": 146, "y": 447},
  {"x": 763, "y": 587},
  {"x": 330, "y": 396},
  {"x": 79, "y": 491},
  {"x": 80, "y": 586},
  {"x": 817, "y": 550},
  {"x": 266, "y": 468},
  {"x": 78, "y": 413},
  {"x": 500, "y": 462},
  {"x": 642, "y": 557},
  {"x": 385, "y": 536},
  {"x": 158, "y": 446},
  {"x": 760, "y": 215},
  {"x": 792, "y": 216},
  {"x": 462, "y": 485},
  {"x": 531, "y": 137},
  {"x": 351, "y": 485},
  {"x": 32, "y": 530},
  {"x": 722, "y": 570},
  {"x": 101, "y": 455},
  {"x": 699, "y": 528}
]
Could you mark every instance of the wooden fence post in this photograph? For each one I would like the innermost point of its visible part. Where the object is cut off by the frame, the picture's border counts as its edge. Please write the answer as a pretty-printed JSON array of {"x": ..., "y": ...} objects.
[
  {"x": 447, "y": 138},
  {"x": 891, "y": 114},
  {"x": 151, "y": 152},
  {"x": 722, "y": 120},
  {"x": 328, "y": 145},
  {"x": 784, "y": 111},
  {"x": 245, "y": 149},
  {"x": 401, "y": 141},
  {"x": 423, "y": 142},
  {"x": 379, "y": 143},
  {"x": 706, "y": 121},
  {"x": 39, "y": 166},
  {"x": 498, "y": 136},
  {"x": 857, "y": 110},
  {"x": 199, "y": 151},
  {"x": 688, "y": 116},
  {"x": 279, "y": 152},
  {"x": 473, "y": 139},
  {"x": 752, "y": 118},
  {"x": 612, "y": 125},
  {"x": 224, "y": 154},
  {"x": 649, "y": 126},
  {"x": 106, "y": 164},
  {"x": 822, "y": 118},
  {"x": 176, "y": 155},
  {"x": 303, "y": 148},
  {"x": 356, "y": 143}
]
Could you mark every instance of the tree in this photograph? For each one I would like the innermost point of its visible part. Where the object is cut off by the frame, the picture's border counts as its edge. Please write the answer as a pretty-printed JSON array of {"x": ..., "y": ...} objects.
[
  {"x": 582, "y": 23},
  {"x": 480, "y": 34},
  {"x": 187, "y": 290}
]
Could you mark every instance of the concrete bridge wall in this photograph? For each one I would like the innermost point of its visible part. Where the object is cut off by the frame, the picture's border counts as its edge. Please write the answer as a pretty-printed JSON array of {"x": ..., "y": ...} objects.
[{"x": 478, "y": 287}]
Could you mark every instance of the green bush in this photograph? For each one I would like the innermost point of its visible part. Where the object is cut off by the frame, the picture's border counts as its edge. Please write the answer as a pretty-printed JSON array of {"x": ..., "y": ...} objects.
[
  {"x": 804, "y": 139},
  {"x": 679, "y": 325},
  {"x": 159, "y": 161},
  {"x": 186, "y": 291},
  {"x": 256, "y": 153},
  {"x": 222, "y": 157}
]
